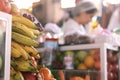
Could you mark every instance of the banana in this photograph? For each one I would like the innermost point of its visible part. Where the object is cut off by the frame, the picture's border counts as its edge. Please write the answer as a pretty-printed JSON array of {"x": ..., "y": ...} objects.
[
  {"x": 24, "y": 39},
  {"x": 17, "y": 46},
  {"x": 11, "y": 78},
  {"x": 15, "y": 53},
  {"x": 31, "y": 50},
  {"x": 24, "y": 21},
  {"x": 18, "y": 76},
  {"x": 12, "y": 71},
  {"x": 36, "y": 32},
  {"x": 37, "y": 56},
  {"x": 23, "y": 65},
  {"x": 22, "y": 29}
]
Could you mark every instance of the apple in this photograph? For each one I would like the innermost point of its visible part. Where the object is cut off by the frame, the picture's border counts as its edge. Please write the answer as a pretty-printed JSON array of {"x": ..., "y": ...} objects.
[
  {"x": 97, "y": 65},
  {"x": 81, "y": 55},
  {"x": 114, "y": 59},
  {"x": 109, "y": 56},
  {"x": 115, "y": 76},
  {"x": 29, "y": 76},
  {"x": 0, "y": 62},
  {"x": 115, "y": 68},
  {"x": 97, "y": 57},
  {"x": 110, "y": 76},
  {"x": 109, "y": 67}
]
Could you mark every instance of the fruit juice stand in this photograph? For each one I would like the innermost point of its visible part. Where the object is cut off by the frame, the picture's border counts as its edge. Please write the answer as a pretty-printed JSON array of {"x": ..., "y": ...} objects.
[{"x": 97, "y": 57}]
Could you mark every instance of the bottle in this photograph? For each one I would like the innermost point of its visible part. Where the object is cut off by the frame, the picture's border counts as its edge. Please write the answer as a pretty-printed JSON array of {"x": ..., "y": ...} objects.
[{"x": 50, "y": 46}]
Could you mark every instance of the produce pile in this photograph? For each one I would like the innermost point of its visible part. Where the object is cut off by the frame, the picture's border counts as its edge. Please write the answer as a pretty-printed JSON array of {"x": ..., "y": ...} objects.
[
  {"x": 24, "y": 55},
  {"x": 112, "y": 65},
  {"x": 83, "y": 59}
]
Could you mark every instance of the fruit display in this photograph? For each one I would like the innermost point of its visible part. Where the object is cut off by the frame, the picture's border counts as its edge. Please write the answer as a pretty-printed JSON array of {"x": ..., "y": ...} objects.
[
  {"x": 83, "y": 59},
  {"x": 112, "y": 65},
  {"x": 24, "y": 55}
]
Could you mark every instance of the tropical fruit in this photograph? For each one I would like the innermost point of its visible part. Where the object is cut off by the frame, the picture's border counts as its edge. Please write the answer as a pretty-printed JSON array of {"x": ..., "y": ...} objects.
[
  {"x": 81, "y": 55},
  {"x": 82, "y": 66},
  {"x": 89, "y": 61}
]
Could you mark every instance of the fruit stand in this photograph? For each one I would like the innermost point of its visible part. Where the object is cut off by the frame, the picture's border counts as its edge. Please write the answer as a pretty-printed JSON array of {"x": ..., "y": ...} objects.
[{"x": 94, "y": 56}]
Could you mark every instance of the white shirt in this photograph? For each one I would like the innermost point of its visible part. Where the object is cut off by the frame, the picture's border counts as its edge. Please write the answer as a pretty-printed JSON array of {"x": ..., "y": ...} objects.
[
  {"x": 71, "y": 27},
  {"x": 115, "y": 20}
]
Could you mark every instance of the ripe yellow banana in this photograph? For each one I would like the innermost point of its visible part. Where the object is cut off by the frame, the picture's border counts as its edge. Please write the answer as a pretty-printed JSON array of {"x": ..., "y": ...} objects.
[
  {"x": 22, "y": 29},
  {"x": 15, "y": 53},
  {"x": 37, "y": 56},
  {"x": 18, "y": 76},
  {"x": 17, "y": 46},
  {"x": 24, "y": 21},
  {"x": 36, "y": 32},
  {"x": 24, "y": 39},
  {"x": 31, "y": 50},
  {"x": 23, "y": 65}
]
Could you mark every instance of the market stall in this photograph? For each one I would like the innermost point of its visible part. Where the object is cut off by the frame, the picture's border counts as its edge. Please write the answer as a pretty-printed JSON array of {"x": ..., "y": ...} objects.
[{"x": 29, "y": 51}]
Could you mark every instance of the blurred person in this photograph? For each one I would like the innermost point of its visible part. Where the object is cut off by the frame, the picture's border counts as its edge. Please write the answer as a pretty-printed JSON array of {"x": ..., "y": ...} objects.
[
  {"x": 114, "y": 20},
  {"x": 80, "y": 15}
]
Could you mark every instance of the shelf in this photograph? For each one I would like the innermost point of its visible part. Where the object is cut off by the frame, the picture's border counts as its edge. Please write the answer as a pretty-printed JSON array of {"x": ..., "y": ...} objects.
[
  {"x": 83, "y": 46},
  {"x": 87, "y": 46}
]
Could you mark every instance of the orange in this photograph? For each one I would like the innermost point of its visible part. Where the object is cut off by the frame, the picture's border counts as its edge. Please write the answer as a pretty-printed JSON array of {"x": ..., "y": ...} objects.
[
  {"x": 46, "y": 73},
  {"x": 81, "y": 66},
  {"x": 89, "y": 61},
  {"x": 92, "y": 51}
]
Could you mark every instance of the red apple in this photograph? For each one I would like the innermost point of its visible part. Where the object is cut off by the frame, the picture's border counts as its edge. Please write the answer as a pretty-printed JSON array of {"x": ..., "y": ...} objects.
[
  {"x": 97, "y": 65},
  {"x": 115, "y": 76},
  {"x": 109, "y": 67},
  {"x": 110, "y": 76},
  {"x": 115, "y": 68},
  {"x": 114, "y": 59},
  {"x": 109, "y": 56},
  {"x": 97, "y": 56},
  {"x": 29, "y": 76}
]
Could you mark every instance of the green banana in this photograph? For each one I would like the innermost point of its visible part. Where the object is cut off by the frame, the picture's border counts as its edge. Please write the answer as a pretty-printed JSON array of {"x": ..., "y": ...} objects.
[
  {"x": 15, "y": 53},
  {"x": 22, "y": 65},
  {"x": 17, "y": 46},
  {"x": 24, "y": 21},
  {"x": 22, "y": 29},
  {"x": 18, "y": 76},
  {"x": 24, "y": 39}
]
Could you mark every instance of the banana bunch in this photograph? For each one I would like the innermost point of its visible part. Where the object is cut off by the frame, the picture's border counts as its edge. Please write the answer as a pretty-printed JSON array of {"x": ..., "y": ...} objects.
[{"x": 24, "y": 33}]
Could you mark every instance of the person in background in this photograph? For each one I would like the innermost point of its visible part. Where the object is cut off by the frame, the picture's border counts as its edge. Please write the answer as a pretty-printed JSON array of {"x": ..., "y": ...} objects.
[
  {"x": 114, "y": 20},
  {"x": 77, "y": 28},
  {"x": 81, "y": 15}
]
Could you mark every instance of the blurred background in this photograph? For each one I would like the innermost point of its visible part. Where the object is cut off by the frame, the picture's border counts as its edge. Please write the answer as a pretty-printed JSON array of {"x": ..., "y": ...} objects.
[{"x": 55, "y": 11}]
